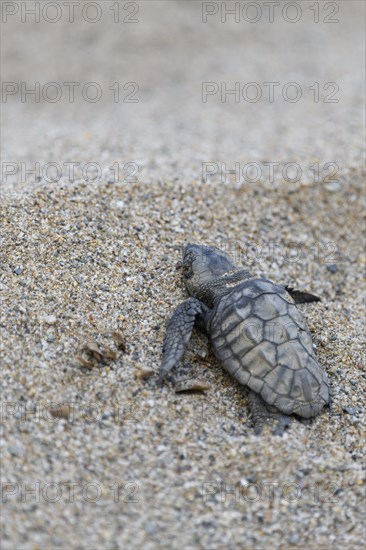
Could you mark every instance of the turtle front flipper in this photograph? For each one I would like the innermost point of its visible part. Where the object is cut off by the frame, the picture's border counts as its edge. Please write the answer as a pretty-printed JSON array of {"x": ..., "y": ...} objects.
[{"x": 178, "y": 333}]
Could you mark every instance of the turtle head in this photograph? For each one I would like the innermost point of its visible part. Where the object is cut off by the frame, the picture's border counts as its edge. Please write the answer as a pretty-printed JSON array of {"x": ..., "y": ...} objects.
[{"x": 201, "y": 264}]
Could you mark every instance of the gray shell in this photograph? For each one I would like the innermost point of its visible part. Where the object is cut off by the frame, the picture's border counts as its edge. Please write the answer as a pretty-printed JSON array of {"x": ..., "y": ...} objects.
[{"x": 262, "y": 339}]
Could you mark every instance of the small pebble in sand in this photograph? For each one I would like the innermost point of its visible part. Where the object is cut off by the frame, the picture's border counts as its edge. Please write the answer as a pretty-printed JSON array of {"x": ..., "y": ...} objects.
[{"x": 192, "y": 384}]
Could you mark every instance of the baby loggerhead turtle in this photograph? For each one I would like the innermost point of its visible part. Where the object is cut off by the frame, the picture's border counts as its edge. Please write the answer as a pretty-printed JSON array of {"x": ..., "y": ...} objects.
[{"x": 256, "y": 331}]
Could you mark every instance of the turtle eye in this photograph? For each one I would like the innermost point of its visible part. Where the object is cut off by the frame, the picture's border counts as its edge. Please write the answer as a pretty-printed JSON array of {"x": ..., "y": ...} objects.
[{"x": 187, "y": 271}]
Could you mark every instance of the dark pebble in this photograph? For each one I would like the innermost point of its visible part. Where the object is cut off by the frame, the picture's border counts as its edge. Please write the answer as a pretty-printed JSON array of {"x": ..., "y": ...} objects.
[
  {"x": 333, "y": 268},
  {"x": 18, "y": 270},
  {"x": 351, "y": 410}
]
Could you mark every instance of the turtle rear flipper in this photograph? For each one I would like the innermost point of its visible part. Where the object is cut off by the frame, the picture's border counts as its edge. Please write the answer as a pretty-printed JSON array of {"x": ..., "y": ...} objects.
[{"x": 264, "y": 414}]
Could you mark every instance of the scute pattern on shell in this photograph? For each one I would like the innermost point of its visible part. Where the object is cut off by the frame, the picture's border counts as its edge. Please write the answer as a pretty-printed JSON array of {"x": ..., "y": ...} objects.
[{"x": 263, "y": 341}]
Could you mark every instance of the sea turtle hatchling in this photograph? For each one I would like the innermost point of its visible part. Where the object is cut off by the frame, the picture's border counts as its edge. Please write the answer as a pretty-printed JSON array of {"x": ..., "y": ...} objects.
[{"x": 256, "y": 331}]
